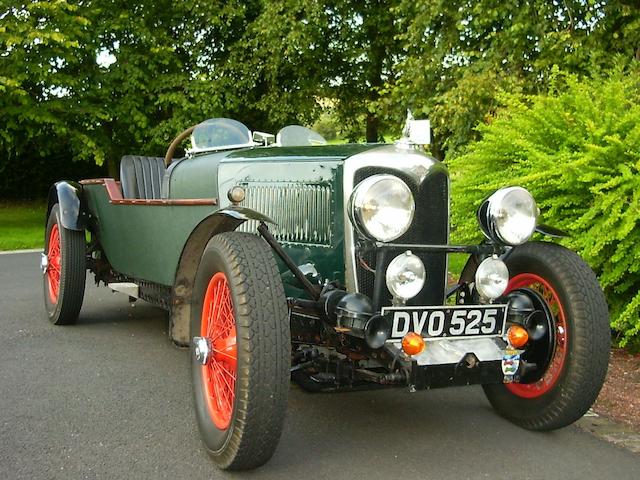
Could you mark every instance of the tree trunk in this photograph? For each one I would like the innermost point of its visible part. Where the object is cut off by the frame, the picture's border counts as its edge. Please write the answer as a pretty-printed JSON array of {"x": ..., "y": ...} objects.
[
  {"x": 372, "y": 128},
  {"x": 377, "y": 52},
  {"x": 112, "y": 167}
]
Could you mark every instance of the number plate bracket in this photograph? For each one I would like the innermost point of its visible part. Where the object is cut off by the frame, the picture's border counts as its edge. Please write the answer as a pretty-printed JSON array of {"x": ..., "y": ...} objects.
[{"x": 447, "y": 322}]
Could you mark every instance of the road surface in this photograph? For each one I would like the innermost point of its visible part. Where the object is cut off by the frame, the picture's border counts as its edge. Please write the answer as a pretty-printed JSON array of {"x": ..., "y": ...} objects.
[{"x": 111, "y": 398}]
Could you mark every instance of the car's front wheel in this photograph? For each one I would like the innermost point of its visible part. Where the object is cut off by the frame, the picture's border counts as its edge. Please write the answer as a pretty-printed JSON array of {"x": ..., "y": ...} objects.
[
  {"x": 64, "y": 270},
  {"x": 240, "y": 352},
  {"x": 570, "y": 380}
]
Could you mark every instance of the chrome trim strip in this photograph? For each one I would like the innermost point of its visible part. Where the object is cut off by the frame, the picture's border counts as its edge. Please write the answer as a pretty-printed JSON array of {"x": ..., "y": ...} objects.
[{"x": 403, "y": 158}]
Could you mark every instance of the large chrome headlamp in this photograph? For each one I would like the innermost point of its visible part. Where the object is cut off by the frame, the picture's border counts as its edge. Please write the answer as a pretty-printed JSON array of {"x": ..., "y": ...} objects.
[
  {"x": 381, "y": 207},
  {"x": 509, "y": 216}
]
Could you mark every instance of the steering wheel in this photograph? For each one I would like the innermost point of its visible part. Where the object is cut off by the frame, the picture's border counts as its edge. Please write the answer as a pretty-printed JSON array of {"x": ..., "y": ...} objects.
[{"x": 168, "y": 158}]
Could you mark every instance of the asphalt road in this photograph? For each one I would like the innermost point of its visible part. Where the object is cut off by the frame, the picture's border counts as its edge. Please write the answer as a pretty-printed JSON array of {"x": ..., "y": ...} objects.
[{"x": 111, "y": 398}]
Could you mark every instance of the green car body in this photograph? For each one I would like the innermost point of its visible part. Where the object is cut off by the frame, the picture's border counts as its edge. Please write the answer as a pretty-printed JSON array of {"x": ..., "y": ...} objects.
[{"x": 134, "y": 237}]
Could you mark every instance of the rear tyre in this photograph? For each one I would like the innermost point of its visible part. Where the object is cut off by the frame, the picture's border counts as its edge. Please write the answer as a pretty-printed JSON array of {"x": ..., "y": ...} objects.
[
  {"x": 64, "y": 272},
  {"x": 578, "y": 366},
  {"x": 242, "y": 389}
]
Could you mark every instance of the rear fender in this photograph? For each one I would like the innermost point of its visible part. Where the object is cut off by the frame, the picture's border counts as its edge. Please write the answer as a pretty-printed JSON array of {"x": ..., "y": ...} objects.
[
  {"x": 225, "y": 220},
  {"x": 69, "y": 196}
]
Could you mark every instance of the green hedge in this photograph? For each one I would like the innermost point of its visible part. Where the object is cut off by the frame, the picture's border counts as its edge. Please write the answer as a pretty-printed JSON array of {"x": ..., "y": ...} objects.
[{"x": 577, "y": 150}]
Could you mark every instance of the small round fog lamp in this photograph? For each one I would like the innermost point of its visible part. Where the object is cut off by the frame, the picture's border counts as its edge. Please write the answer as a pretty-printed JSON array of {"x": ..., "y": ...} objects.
[
  {"x": 405, "y": 276},
  {"x": 492, "y": 277}
]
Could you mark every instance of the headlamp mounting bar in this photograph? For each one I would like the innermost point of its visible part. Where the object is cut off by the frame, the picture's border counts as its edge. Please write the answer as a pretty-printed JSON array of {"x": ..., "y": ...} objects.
[{"x": 482, "y": 249}]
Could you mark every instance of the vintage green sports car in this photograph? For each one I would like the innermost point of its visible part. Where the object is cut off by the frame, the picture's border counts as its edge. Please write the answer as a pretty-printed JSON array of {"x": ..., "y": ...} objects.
[{"x": 281, "y": 257}]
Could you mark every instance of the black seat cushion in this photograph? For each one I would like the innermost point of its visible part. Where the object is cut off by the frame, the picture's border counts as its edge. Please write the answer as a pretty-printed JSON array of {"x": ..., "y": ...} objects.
[{"x": 141, "y": 177}]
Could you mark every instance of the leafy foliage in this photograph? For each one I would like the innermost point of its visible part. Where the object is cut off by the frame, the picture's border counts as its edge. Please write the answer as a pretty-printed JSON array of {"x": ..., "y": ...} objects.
[
  {"x": 578, "y": 151},
  {"x": 103, "y": 77},
  {"x": 296, "y": 53},
  {"x": 460, "y": 54}
]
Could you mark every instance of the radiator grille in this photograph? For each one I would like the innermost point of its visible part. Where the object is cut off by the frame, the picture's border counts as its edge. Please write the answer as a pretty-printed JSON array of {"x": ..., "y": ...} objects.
[
  {"x": 430, "y": 226},
  {"x": 303, "y": 212}
]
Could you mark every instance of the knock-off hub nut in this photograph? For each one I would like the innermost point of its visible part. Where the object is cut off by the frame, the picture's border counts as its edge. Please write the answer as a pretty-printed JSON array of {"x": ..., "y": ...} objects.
[{"x": 201, "y": 350}]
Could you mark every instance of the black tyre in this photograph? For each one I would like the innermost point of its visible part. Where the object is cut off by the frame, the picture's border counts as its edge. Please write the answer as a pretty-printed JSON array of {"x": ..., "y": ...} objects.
[
  {"x": 572, "y": 379},
  {"x": 64, "y": 270},
  {"x": 241, "y": 386}
]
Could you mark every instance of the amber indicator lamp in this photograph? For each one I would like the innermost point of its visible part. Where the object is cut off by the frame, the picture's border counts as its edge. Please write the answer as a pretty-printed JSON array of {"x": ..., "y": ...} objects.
[
  {"x": 517, "y": 336},
  {"x": 412, "y": 343}
]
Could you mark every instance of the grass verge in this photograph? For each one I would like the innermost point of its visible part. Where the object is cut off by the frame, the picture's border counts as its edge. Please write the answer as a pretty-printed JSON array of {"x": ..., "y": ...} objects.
[{"x": 22, "y": 224}]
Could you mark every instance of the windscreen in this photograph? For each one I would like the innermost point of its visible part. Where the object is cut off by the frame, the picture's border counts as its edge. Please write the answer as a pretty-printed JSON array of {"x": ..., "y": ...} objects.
[
  {"x": 297, "y": 135},
  {"x": 220, "y": 134}
]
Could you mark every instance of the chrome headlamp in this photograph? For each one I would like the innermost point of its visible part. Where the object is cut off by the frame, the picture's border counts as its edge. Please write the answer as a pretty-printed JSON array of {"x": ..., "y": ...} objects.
[
  {"x": 381, "y": 207},
  {"x": 509, "y": 216}
]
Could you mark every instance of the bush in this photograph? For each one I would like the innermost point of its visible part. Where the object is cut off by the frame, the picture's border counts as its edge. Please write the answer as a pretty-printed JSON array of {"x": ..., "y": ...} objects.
[{"x": 577, "y": 150}]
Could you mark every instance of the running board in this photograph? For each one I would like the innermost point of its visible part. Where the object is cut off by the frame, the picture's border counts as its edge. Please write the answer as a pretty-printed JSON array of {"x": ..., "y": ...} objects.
[{"x": 128, "y": 288}]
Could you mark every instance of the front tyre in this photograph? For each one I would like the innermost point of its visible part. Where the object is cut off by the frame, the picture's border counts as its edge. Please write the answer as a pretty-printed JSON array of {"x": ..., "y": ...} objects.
[
  {"x": 577, "y": 368},
  {"x": 241, "y": 351},
  {"x": 64, "y": 270}
]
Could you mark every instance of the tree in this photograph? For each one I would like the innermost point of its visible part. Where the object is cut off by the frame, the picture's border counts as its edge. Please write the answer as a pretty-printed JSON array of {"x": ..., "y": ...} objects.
[
  {"x": 107, "y": 76},
  {"x": 102, "y": 78},
  {"x": 459, "y": 55},
  {"x": 296, "y": 54},
  {"x": 577, "y": 149}
]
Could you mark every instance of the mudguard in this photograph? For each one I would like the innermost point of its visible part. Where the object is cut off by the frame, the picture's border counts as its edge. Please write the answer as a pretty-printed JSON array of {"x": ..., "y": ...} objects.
[
  {"x": 224, "y": 220},
  {"x": 69, "y": 196},
  {"x": 551, "y": 231}
]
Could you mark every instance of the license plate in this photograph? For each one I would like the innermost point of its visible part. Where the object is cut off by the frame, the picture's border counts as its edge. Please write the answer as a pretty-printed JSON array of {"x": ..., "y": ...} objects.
[{"x": 447, "y": 322}]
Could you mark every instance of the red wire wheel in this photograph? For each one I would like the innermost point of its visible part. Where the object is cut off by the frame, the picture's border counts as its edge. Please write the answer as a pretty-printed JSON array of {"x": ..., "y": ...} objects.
[
  {"x": 239, "y": 307},
  {"x": 54, "y": 262},
  {"x": 576, "y": 354},
  {"x": 554, "y": 369},
  {"x": 218, "y": 326},
  {"x": 64, "y": 269}
]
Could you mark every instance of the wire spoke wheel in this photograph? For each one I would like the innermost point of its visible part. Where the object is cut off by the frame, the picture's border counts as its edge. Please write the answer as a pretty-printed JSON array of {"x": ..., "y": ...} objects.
[
  {"x": 571, "y": 372},
  {"x": 555, "y": 366},
  {"x": 54, "y": 261},
  {"x": 64, "y": 270},
  {"x": 241, "y": 352},
  {"x": 219, "y": 328}
]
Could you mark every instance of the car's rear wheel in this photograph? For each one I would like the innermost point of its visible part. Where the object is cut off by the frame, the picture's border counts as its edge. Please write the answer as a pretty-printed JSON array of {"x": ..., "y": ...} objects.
[
  {"x": 241, "y": 351},
  {"x": 574, "y": 373},
  {"x": 64, "y": 270}
]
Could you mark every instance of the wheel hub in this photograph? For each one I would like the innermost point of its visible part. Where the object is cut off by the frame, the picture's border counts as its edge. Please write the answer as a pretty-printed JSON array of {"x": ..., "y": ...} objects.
[
  {"x": 44, "y": 263},
  {"x": 201, "y": 350},
  {"x": 549, "y": 350}
]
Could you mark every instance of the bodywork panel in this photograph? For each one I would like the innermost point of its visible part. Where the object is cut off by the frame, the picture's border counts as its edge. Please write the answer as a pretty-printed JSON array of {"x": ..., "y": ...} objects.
[
  {"x": 143, "y": 241},
  {"x": 146, "y": 241},
  {"x": 298, "y": 200}
]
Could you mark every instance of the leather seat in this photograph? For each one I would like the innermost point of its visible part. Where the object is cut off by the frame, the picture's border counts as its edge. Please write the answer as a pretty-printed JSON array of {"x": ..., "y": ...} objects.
[{"x": 141, "y": 177}]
